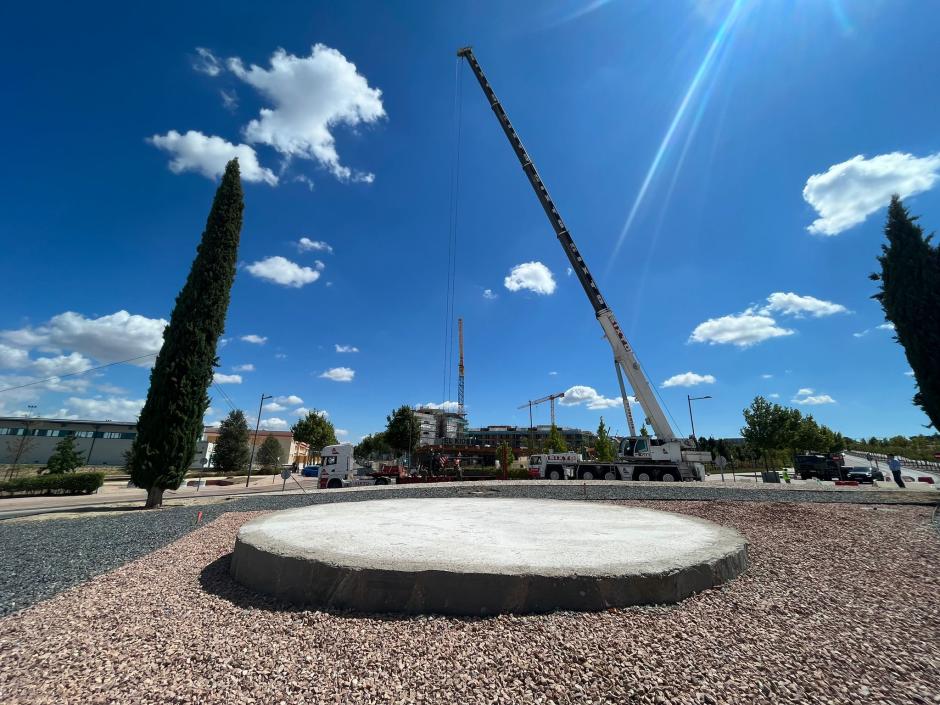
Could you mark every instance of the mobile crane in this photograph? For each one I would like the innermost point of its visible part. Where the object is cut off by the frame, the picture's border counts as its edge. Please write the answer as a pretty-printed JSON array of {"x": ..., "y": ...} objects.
[{"x": 664, "y": 457}]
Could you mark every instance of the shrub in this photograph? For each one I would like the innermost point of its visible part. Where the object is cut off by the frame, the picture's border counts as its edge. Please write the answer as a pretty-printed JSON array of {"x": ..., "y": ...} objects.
[{"x": 60, "y": 484}]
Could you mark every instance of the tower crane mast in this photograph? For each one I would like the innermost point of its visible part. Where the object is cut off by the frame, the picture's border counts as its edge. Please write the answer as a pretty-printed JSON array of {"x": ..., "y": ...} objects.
[
  {"x": 624, "y": 357},
  {"x": 535, "y": 402},
  {"x": 460, "y": 379}
]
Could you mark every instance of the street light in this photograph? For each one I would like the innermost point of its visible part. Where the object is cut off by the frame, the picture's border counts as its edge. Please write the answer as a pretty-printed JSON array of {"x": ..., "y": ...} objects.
[
  {"x": 255, "y": 441},
  {"x": 691, "y": 420}
]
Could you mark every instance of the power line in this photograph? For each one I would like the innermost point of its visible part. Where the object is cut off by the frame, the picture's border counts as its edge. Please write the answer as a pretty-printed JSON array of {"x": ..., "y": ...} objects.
[{"x": 74, "y": 374}]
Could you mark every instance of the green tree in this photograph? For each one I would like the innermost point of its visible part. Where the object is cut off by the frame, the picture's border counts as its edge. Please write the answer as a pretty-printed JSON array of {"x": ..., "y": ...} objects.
[
  {"x": 604, "y": 447},
  {"x": 402, "y": 430},
  {"x": 65, "y": 458},
  {"x": 170, "y": 423},
  {"x": 644, "y": 432},
  {"x": 507, "y": 449},
  {"x": 910, "y": 297},
  {"x": 232, "y": 448},
  {"x": 269, "y": 454},
  {"x": 764, "y": 428},
  {"x": 371, "y": 446},
  {"x": 316, "y": 430},
  {"x": 555, "y": 441}
]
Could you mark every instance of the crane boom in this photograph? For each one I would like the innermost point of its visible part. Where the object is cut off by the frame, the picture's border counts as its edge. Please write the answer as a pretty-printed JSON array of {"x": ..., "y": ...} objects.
[{"x": 623, "y": 353}]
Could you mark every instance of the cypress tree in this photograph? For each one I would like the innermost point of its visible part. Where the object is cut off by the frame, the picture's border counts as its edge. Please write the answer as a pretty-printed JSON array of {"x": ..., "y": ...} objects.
[
  {"x": 170, "y": 423},
  {"x": 232, "y": 448},
  {"x": 269, "y": 454},
  {"x": 910, "y": 297}
]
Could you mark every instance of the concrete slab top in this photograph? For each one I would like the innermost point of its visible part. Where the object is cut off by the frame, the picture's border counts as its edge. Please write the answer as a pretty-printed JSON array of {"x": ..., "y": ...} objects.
[{"x": 492, "y": 536}]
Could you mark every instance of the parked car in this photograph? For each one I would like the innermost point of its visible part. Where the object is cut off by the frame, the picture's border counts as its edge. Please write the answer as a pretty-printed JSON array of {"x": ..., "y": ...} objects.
[
  {"x": 818, "y": 466},
  {"x": 311, "y": 471},
  {"x": 864, "y": 474}
]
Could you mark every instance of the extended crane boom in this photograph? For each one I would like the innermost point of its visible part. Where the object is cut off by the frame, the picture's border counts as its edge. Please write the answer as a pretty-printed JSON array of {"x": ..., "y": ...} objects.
[{"x": 623, "y": 353}]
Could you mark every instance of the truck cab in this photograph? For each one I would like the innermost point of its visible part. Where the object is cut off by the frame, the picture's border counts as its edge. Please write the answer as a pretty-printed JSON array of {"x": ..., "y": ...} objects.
[{"x": 339, "y": 469}]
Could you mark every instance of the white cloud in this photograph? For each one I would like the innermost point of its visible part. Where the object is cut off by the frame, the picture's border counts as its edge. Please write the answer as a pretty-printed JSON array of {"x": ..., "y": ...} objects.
[
  {"x": 301, "y": 411},
  {"x": 206, "y": 62},
  {"x": 552, "y": 373},
  {"x": 13, "y": 358},
  {"x": 113, "y": 408},
  {"x": 61, "y": 365},
  {"x": 741, "y": 329},
  {"x": 774, "y": 396},
  {"x": 306, "y": 181},
  {"x": 282, "y": 271},
  {"x": 273, "y": 406},
  {"x": 886, "y": 326},
  {"x": 580, "y": 394},
  {"x": 208, "y": 155},
  {"x": 849, "y": 192},
  {"x": 117, "y": 336},
  {"x": 688, "y": 379},
  {"x": 273, "y": 424},
  {"x": 807, "y": 397},
  {"x": 444, "y": 406},
  {"x": 341, "y": 432},
  {"x": 861, "y": 334},
  {"x": 339, "y": 374},
  {"x": 488, "y": 294},
  {"x": 909, "y": 373},
  {"x": 311, "y": 96},
  {"x": 766, "y": 376},
  {"x": 569, "y": 271},
  {"x": 305, "y": 244},
  {"x": 346, "y": 348},
  {"x": 255, "y": 339},
  {"x": 533, "y": 276},
  {"x": 247, "y": 367},
  {"x": 229, "y": 100},
  {"x": 796, "y": 305},
  {"x": 290, "y": 399},
  {"x": 219, "y": 378}
]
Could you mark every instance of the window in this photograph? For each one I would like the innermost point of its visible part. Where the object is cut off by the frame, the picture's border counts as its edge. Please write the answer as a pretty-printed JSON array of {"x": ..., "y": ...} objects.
[
  {"x": 330, "y": 460},
  {"x": 111, "y": 434},
  {"x": 84, "y": 434}
]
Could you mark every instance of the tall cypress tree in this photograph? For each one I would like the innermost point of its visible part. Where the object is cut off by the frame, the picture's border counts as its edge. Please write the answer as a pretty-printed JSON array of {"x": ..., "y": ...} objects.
[
  {"x": 910, "y": 297},
  {"x": 170, "y": 423}
]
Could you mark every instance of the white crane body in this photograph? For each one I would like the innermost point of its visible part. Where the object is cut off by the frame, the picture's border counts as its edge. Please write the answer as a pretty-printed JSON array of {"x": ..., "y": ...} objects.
[{"x": 667, "y": 448}]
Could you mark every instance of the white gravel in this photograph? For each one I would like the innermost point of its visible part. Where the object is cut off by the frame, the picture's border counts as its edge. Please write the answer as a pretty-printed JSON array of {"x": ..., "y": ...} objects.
[{"x": 840, "y": 605}]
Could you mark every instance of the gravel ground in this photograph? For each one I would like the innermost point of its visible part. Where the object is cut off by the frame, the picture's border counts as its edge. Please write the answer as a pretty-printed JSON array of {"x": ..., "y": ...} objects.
[
  {"x": 42, "y": 558},
  {"x": 840, "y": 605}
]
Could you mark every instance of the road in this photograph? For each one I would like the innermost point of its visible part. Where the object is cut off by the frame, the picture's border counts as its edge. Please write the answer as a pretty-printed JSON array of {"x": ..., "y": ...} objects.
[
  {"x": 907, "y": 471},
  {"x": 117, "y": 493}
]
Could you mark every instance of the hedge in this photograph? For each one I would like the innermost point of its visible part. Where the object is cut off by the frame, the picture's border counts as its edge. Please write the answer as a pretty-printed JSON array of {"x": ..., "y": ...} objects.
[{"x": 59, "y": 483}]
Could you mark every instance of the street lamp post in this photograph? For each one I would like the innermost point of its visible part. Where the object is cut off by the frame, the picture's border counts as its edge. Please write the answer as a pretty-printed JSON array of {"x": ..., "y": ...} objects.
[
  {"x": 692, "y": 420},
  {"x": 254, "y": 442}
]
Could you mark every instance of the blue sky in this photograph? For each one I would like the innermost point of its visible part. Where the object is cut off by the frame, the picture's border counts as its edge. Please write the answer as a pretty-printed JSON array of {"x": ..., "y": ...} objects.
[{"x": 722, "y": 165}]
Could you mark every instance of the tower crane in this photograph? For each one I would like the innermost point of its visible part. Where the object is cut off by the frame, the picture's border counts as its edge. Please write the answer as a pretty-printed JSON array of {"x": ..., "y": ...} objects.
[
  {"x": 535, "y": 402},
  {"x": 460, "y": 379},
  {"x": 679, "y": 451}
]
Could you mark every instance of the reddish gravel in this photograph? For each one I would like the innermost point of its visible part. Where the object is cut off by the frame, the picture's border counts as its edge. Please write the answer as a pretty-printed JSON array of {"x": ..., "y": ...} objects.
[{"x": 841, "y": 605}]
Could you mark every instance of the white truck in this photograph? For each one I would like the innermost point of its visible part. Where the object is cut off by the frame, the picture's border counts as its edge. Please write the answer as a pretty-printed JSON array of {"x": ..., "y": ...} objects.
[
  {"x": 339, "y": 469},
  {"x": 642, "y": 459},
  {"x": 665, "y": 457}
]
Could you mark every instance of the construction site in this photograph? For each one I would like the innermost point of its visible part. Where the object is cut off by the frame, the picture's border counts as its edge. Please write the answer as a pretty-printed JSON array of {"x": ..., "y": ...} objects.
[{"x": 444, "y": 560}]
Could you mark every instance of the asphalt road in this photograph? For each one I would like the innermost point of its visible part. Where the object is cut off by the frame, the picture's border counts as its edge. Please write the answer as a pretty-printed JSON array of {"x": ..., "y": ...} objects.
[{"x": 906, "y": 471}]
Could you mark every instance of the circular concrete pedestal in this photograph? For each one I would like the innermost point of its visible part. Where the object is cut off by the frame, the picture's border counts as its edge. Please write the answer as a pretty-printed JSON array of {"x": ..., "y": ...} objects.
[{"x": 482, "y": 556}]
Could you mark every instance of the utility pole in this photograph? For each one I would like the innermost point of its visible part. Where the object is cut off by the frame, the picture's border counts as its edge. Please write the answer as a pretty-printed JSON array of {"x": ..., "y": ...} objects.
[{"x": 255, "y": 441}]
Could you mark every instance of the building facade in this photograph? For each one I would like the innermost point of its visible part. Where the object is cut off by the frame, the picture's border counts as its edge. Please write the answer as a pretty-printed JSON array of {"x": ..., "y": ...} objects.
[
  {"x": 30, "y": 441},
  {"x": 437, "y": 427},
  {"x": 519, "y": 437}
]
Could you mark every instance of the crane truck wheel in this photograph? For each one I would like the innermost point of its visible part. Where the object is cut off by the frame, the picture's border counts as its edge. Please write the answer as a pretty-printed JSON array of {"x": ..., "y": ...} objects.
[
  {"x": 554, "y": 474},
  {"x": 670, "y": 476},
  {"x": 644, "y": 474},
  {"x": 381, "y": 480},
  {"x": 333, "y": 484},
  {"x": 587, "y": 475},
  {"x": 610, "y": 475}
]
